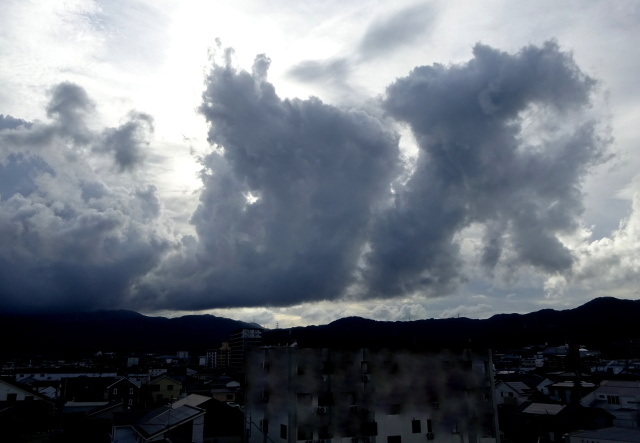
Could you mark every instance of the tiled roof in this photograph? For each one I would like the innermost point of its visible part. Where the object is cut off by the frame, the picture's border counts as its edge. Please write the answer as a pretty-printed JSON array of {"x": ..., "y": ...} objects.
[
  {"x": 543, "y": 409},
  {"x": 620, "y": 388},
  {"x": 518, "y": 386},
  {"x": 616, "y": 434},
  {"x": 191, "y": 400}
]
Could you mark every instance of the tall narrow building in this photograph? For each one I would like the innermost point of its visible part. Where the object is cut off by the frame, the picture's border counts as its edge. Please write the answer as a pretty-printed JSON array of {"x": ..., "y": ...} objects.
[{"x": 240, "y": 342}]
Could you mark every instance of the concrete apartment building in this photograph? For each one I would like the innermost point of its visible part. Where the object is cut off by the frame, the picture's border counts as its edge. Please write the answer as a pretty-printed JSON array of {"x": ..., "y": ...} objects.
[{"x": 365, "y": 396}]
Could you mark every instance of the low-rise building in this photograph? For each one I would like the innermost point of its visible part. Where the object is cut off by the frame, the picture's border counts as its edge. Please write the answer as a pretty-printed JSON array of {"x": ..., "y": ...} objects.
[
  {"x": 606, "y": 435},
  {"x": 619, "y": 398},
  {"x": 165, "y": 388}
]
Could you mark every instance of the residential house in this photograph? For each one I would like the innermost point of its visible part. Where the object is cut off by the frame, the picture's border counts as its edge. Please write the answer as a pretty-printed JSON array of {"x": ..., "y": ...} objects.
[
  {"x": 222, "y": 423},
  {"x": 535, "y": 422},
  {"x": 606, "y": 435},
  {"x": 567, "y": 392},
  {"x": 125, "y": 390},
  {"x": 227, "y": 392},
  {"x": 512, "y": 393},
  {"x": 619, "y": 398},
  {"x": 165, "y": 388}
]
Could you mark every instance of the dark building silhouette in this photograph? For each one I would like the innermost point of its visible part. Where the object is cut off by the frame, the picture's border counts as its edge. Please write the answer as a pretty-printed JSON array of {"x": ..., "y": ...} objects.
[{"x": 240, "y": 342}]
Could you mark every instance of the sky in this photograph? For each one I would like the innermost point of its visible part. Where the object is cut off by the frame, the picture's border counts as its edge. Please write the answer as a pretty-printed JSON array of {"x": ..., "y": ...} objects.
[{"x": 292, "y": 163}]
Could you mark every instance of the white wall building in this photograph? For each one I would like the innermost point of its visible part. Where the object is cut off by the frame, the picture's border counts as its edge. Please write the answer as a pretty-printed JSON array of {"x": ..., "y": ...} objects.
[
  {"x": 330, "y": 396},
  {"x": 619, "y": 398}
]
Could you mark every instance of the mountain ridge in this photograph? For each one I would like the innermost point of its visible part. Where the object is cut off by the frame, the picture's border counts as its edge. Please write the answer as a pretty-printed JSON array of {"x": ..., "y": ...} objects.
[{"x": 599, "y": 322}]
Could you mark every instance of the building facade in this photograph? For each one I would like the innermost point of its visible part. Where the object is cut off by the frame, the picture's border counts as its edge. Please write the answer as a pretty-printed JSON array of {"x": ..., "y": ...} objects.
[
  {"x": 364, "y": 396},
  {"x": 241, "y": 341}
]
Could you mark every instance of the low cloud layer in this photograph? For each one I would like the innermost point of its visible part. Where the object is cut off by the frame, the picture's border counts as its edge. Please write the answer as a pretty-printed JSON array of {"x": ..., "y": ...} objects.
[{"x": 305, "y": 201}]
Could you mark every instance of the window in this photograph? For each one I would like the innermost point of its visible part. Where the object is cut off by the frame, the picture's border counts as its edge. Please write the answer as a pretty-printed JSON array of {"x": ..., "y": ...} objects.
[
  {"x": 613, "y": 399},
  {"x": 350, "y": 398},
  {"x": 264, "y": 425},
  {"x": 304, "y": 399},
  {"x": 324, "y": 433},
  {"x": 390, "y": 366},
  {"x": 415, "y": 426},
  {"x": 130, "y": 402},
  {"x": 394, "y": 439},
  {"x": 304, "y": 433},
  {"x": 169, "y": 387},
  {"x": 130, "y": 390},
  {"x": 283, "y": 431},
  {"x": 115, "y": 391},
  {"x": 370, "y": 428},
  {"x": 429, "y": 426},
  {"x": 325, "y": 399},
  {"x": 327, "y": 367}
]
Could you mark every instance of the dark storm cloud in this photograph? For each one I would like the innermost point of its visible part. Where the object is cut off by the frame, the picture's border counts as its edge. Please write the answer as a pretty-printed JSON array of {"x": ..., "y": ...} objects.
[
  {"x": 317, "y": 172},
  {"x": 69, "y": 240},
  {"x": 503, "y": 144},
  {"x": 301, "y": 200}
]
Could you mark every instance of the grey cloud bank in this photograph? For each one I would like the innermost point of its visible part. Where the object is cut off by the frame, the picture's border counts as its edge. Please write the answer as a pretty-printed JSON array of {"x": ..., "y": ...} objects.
[
  {"x": 70, "y": 240},
  {"x": 301, "y": 200},
  {"x": 504, "y": 142}
]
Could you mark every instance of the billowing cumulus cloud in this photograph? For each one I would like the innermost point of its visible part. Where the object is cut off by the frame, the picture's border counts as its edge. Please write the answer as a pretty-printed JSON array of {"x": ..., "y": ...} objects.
[
  {"x": 505, "y": 142},
  {"x": 288, "y": 195},
  {"x": 126, "y": 143},
  {"x": 304, "y": 201},
  {"x": 69, "y": 239}
]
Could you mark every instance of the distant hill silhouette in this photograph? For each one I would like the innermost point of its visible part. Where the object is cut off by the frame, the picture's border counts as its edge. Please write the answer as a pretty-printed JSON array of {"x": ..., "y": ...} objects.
[
  {"x": 112, "y": 331},
  {"x": 598, "y": 323}
]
